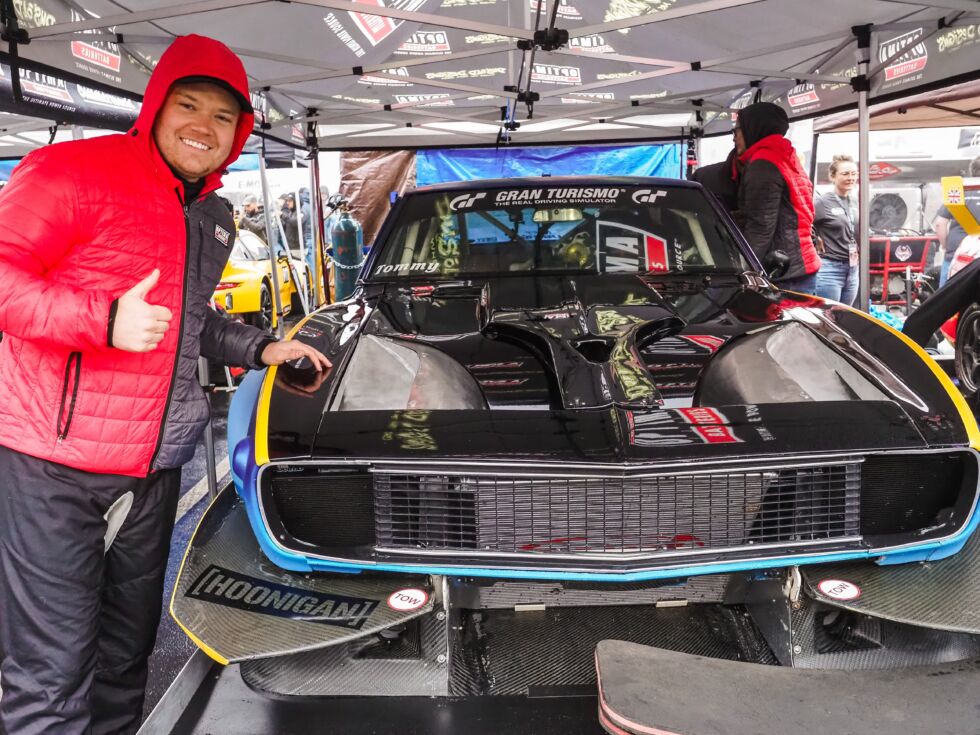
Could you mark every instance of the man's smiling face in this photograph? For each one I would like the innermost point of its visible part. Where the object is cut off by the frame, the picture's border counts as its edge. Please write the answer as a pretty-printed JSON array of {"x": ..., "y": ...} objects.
[{"x": 195, "y": 128}]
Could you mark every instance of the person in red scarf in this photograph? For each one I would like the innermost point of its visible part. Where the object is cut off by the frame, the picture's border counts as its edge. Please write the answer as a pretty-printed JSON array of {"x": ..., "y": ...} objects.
[{"x": 775, "y": 198}]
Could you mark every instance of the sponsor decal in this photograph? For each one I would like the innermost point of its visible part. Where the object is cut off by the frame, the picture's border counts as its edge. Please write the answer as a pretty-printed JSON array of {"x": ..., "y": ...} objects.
[
  {"x": 954, "y": 195},
  {"x": 221, "y": 235},
  {"x": 573, "y": 195},
  {"x": 496, "y": 366},
  {"x": 503, "y": 383},
  {"x": 465, "y": 3},
  {"x": 955, "y": 38},
  {"x": 377, "y": 28},
  {"x": 425, "y": 43},
  {"x": 587, "y": 98},
  {"x": 913, "y": 60},
  {"x": 627, "y": 249},
  {"x": 969, "y": 138},
  {"x": 43, "y": 85},
  {"x": 565, "y": 9},
  {"x": 485, "y": 39},
  {"x": 426, "y": 268},
  {"x": 356, "y": 100},
  {"x": 310, "y": 332},
  {"x": 554, "y": 74},
  {"x": 225, "y": 587},
  {"x": 94, "y": 55},
  {"x": 483, "y": 73},
  {"x": 595, "y": 44},
  {"x": 658, "y": 429},
  {"x": 903, "y": 252},
  {"x": 465, "y": 201},
  {"x": 32, "y": 15},
  {"x": 426, "y": 100},
  {"x": 802, "y": 95},
  {"x": 337, "y": 27},
  {"x": 711, "y": 426},
  {"x": 389, "y": 79},
  {"x": 743, "y": 101},
  {"x": 706, "y": 340},
  {"x": 408, "y": 599},
  {"x": 411, "y": 430},
  {"x": 98, "y": 97},
  {"x": 620, "y": 9},
  {"x": 839, "y": 589},
  {"x": 881, "y": 170},
  {"x": 648, "y": 196}
]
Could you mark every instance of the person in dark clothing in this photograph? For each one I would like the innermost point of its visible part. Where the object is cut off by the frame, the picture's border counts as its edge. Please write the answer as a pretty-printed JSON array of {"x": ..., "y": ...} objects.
[
  {"x": 721, "y": 180},
  {"x": 949, "y": 231},
  {"x": 111, "y": 249},
  {"x": 775, "y": 197},
  {"x": 834, "y": 221},
  {"x": 253, "y": 216},
  {"x": 289, "y": 215}
]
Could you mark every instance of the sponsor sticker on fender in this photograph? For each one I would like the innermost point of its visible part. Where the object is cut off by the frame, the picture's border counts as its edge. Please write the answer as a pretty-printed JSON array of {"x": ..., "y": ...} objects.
[
  {"x": 408, "y": 599},
  {"x": 839, "y": 589}
]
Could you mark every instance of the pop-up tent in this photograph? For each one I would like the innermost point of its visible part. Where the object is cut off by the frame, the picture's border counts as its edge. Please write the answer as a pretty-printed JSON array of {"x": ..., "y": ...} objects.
[{"x": 449, "y": 73}]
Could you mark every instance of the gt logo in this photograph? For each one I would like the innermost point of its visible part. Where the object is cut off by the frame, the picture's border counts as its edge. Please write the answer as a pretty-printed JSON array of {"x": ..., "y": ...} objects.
[
  {"x": 648, "y": 196},
  {"x": 465, "y": 201}
]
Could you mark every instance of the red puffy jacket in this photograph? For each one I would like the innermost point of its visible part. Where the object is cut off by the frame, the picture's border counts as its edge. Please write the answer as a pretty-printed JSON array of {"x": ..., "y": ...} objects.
[{"x": 82, "y": 223}]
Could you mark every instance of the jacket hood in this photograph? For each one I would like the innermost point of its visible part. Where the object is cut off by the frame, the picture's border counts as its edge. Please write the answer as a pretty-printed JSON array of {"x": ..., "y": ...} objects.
[
  {"x": 760, "y": 120},
  {"x": 195, "y": 56},
  {"x": 774, "y": 145}
]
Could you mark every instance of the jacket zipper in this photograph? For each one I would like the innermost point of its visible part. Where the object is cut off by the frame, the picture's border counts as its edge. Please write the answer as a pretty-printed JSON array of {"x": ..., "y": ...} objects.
[
  {"x": 180, "y": 334},
  {"x": 76, "y": 358}
]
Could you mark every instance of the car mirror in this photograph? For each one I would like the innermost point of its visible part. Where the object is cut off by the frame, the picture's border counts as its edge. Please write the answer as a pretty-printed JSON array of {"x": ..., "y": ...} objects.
[
  {"x": 776, "y": 264},
  {"x": 566, "y": 214}
]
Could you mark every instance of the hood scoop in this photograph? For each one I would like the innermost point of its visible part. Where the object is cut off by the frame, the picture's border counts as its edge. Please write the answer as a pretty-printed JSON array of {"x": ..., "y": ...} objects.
[{"x": 594, "y": 349}]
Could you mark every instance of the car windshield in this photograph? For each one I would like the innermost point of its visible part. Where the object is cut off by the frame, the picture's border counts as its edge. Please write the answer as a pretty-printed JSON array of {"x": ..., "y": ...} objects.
[
  {"x": 560, "y": 229},
  {"x": 249, "y": 246}
]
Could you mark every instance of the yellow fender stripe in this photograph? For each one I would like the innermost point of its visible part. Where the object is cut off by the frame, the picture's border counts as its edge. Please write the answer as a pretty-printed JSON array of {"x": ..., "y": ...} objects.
[
  {"x": 173, "y": 595},
  {"x": 262, "y": 410},
  {"x": 966, "y": 415}
]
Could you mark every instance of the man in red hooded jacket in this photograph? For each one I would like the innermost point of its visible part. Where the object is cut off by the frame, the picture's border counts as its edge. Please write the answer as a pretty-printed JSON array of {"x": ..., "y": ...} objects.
[
  {"x": 110, "y": 250},
  {"x": 775, "y": 198}
]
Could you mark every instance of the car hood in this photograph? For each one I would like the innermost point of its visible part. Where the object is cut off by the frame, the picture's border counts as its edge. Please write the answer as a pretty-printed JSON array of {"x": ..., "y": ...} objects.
[{"x": 588, "y": 368}]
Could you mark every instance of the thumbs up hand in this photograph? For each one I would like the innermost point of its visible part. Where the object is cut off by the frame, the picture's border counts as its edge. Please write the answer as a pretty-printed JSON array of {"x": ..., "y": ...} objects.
[{"x": 139, "y": 326}]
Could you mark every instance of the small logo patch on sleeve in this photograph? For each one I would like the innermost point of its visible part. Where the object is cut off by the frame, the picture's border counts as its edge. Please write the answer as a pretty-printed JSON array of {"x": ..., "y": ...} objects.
[{"x": 221, "y": 235}]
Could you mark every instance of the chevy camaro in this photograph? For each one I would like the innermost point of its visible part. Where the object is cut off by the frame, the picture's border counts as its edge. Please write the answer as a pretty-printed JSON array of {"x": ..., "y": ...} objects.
[{"x": 569, "y": 410}]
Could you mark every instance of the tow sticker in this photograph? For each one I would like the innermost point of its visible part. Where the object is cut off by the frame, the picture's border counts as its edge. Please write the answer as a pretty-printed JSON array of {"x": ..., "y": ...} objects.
[
  {"x": 408, "y": 599},
  {"x": 839, "y": 589}
]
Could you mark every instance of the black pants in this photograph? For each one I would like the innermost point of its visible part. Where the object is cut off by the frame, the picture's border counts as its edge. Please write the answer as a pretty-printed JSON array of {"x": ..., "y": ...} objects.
[{"x": 77, "y": 624}]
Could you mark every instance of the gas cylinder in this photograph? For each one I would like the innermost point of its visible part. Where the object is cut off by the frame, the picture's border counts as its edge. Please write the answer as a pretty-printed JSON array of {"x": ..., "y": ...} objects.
[{"x": 347, "y": 241}]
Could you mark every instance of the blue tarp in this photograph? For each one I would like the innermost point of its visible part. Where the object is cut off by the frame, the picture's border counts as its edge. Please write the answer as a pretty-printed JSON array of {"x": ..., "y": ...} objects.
[
  {"x": 438, "y": 166},
  {"x": 6, "y": 167}
]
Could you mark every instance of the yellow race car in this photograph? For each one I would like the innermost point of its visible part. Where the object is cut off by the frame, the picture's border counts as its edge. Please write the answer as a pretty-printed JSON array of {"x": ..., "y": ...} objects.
[{"x": 246, "y": 286}]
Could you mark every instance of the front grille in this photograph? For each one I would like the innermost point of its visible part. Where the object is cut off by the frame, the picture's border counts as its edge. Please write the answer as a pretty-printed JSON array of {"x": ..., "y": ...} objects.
[
  {"x": 334, "y": 509},
  {"x": 648, "y": 514}
]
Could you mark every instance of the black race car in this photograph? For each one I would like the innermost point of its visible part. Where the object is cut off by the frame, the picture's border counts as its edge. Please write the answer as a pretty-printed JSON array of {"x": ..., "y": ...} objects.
[{"x": 565, "y": 410}]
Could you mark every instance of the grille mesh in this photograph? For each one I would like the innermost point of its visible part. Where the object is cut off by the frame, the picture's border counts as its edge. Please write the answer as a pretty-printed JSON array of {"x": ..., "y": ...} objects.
[{"x": 616, "y": 514}]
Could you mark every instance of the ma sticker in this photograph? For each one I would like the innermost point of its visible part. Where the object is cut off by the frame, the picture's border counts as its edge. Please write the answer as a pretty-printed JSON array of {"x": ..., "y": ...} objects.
[
  {"x": 407, "y": 600},
  {"x": 838, "y": 589}
]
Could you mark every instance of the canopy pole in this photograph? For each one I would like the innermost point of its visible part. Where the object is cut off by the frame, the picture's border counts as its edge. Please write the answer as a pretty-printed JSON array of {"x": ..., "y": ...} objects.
[
  {"x": 307, "y": 308},
  {"x": 273, "y": 258},
  {"x": 862, "y": 85}
]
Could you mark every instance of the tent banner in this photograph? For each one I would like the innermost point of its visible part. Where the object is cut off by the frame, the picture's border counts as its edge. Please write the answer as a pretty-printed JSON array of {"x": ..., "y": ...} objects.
[
  {"x": 51, "y": 97},
  {"x": 912, "y": 59},
  {"x": 466, "y": 164}
]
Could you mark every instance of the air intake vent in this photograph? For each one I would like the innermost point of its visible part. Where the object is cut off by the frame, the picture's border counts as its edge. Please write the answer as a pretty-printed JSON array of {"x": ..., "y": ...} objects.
[
  {"x": 325, "y": 510},
  {"x": 907, "y": 492},
  {"x": 662, "y": 513}
]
